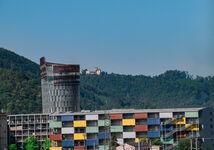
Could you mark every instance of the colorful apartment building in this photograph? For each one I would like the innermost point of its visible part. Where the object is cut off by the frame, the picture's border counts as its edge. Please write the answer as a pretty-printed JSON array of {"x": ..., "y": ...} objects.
[{"x": 92, "y": 130}]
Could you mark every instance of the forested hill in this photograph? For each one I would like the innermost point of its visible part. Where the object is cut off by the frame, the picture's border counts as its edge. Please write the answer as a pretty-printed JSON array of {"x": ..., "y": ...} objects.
[
  {"x": 14, "y": 62},
  {"x": 20, "y": 90},
  {"x": 171, "y": 89}
]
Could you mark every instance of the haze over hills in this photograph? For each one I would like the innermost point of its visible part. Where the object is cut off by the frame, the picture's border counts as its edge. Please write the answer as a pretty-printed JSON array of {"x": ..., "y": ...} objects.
[{"x": 20, "y": 89}]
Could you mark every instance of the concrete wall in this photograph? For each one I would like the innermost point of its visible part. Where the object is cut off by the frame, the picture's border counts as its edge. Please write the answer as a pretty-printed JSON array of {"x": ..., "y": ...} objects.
[
  {"x": 3, "y": 132},
  {"x": 206, "y": 121}
]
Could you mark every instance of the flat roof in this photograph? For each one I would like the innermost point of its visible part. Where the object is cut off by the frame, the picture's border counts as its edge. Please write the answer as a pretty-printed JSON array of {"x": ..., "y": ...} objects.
[
  {"x": 115, "y": 111},
  {"x": 28, "y": 114}
]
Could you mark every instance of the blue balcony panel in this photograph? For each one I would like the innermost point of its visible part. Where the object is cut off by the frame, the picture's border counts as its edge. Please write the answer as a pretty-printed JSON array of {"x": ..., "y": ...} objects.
[
  {"x": 103, "y": 135},
  {"x": 67, "y": 118},
  {"x": 92, "y": 142},
  {"x": 153, "y": 134},
  {"x": 67, "y": 143}
]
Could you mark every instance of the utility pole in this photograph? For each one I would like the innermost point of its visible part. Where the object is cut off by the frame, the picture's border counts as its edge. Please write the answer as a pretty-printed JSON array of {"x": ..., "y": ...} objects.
[
  {"x": 84, "y": 140},
  {"x": 191, "y": 144},
  {"x": 94, "y": 146},
  {"x": 196, "y": 143},
  {"x": 106, "y": 125}
]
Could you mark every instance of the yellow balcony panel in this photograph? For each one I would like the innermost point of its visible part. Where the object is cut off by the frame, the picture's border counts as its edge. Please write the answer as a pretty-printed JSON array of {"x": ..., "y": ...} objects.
[
  {"x": 55, "y": 148},
  {"x": 128, "y": 122},
  {"x": 193, "y": 127},
  {"x": 80, "y": 136},
  {"x": 80, "y": 123},
  {"x": 179, "y": 121}
]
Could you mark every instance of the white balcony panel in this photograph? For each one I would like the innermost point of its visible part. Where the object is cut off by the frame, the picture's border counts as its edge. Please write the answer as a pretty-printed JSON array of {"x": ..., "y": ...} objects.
[
  {"x": 165, "y": 115},
  {"x": 120, "y": 141},
  {"x": 67, "y": 130},
  {"x": 129, "y": 135},
  {"x": 91, "y": 117}
]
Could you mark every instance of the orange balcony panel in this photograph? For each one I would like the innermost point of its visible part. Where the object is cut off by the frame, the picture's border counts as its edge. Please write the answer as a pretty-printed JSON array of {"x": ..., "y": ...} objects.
[
  {"x": 141, "y": 128},
  {"x": 55, "y": 137},
  {"x": 116, "y": 116},
  {"x": 141, "y": 116},
  {"x": 80, "y": 148},
  {"x": 181, "y": 135}
]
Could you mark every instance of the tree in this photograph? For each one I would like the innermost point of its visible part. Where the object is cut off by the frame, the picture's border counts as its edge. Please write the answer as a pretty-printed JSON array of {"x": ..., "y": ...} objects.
[
  {"x": 157, "y": 142},
  {"x": 12, "y": 147},
  {"x": 184, "y": 144},
  {"x": 31, "y": 143},
  {"x": 46, "y": 145},
  {"x": 113, "y": 142}
]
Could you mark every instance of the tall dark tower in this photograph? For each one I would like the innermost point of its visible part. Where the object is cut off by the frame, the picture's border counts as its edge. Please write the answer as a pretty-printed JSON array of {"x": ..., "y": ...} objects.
[{"x": 60, "y": 87}]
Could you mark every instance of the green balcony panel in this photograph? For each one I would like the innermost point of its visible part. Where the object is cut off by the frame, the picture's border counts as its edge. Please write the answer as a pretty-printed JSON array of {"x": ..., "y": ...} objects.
[
  {"x": 167, "y": 140},
  {"x": 91, "y": 129},
  {"x": 104, "y": 122},
  {"x": 116, "y": 128},
  {"x": 191, "y": 114},
  {"x": 57, "y": 124},
  {"x": 101, "y": 147}
]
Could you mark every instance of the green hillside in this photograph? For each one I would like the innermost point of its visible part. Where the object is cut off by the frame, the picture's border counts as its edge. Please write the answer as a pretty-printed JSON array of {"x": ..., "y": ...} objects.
[
  {"x": 12, "y": 61},
  {"x": 171, "y": 89},
  {"x": 20, "y": 90}
]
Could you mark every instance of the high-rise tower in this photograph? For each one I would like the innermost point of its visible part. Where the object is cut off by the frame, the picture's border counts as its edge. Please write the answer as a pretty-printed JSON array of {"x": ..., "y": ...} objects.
[{"x": 60, "y": 87}]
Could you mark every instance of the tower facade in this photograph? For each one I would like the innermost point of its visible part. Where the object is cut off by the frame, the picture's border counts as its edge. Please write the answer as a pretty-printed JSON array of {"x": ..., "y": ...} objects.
[{"x": 60, "y": 87}]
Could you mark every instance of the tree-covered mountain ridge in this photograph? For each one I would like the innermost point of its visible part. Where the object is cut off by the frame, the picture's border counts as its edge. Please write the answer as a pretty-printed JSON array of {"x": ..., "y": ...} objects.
[{"x": 20, "y": 89}]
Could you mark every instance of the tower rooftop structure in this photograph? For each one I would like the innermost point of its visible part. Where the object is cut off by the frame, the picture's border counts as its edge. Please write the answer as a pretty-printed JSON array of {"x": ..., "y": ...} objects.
[{"x": 60, "y": 87}]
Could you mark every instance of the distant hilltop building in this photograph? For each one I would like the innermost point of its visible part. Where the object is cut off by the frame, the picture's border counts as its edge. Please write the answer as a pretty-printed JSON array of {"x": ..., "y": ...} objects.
[
  {"x": 96, "y": 71},
  {"x": 60, "y": 87}
]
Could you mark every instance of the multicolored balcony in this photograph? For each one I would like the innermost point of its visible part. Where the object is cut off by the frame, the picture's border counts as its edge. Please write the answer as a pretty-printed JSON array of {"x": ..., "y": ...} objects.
[
  {"x": 128, "y": 122},
  {"x": 80, "y": 136},
  {"x": 179, "y": 120},
  {"x": 193, "y": 127},
  {"x": 92, "y": 129},
  {"x": 167, "y": 140},
  {"x": 57, "y": 124},
  {"x": 55, "y": 148},
  {"x": 80, "y": 123}
]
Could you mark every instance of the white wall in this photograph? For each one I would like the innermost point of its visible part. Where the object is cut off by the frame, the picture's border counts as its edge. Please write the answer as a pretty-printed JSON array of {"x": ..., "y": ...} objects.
[
  {"x": 67, "y": 130},
  {"x": 91, "y": 117},
  {"x": 166, "y": 115}
]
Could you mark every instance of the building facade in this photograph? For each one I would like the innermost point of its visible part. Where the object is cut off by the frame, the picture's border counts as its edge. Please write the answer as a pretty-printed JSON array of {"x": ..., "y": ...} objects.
[
  {"x": 92, "y": 130},
  {"x": 3, "y": 132},
  {"x": 23, "y": 126},
  {"x": 60, "y": 87}
]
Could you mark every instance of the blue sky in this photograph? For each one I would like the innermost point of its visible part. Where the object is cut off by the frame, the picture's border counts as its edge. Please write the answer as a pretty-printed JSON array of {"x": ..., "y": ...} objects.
[{"x": 121, "y": 36}]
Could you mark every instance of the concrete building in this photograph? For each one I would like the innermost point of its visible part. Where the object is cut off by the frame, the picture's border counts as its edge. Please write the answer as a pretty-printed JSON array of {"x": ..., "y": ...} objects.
[
  {"x": 92, "y": 130},
  {"x": 23, "y": 126},
  {"x": 96, "y": 71},
  {"x": 60, "y": 87},
  {"x": 3, "y": 132}
]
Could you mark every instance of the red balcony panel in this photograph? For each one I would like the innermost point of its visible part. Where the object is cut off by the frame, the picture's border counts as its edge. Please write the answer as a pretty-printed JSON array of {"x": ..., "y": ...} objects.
[
  {"x": 141, "y": 116},
  {"x": 80, "y": 148},
  {"x": 141, "y": 128},
  {"x": 116, "y": 116},
  {"x": 55, "y": 137}
]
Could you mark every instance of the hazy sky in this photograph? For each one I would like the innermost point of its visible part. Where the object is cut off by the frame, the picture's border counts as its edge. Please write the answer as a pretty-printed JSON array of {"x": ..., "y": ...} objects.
[{"x": 121, "y": 36}]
